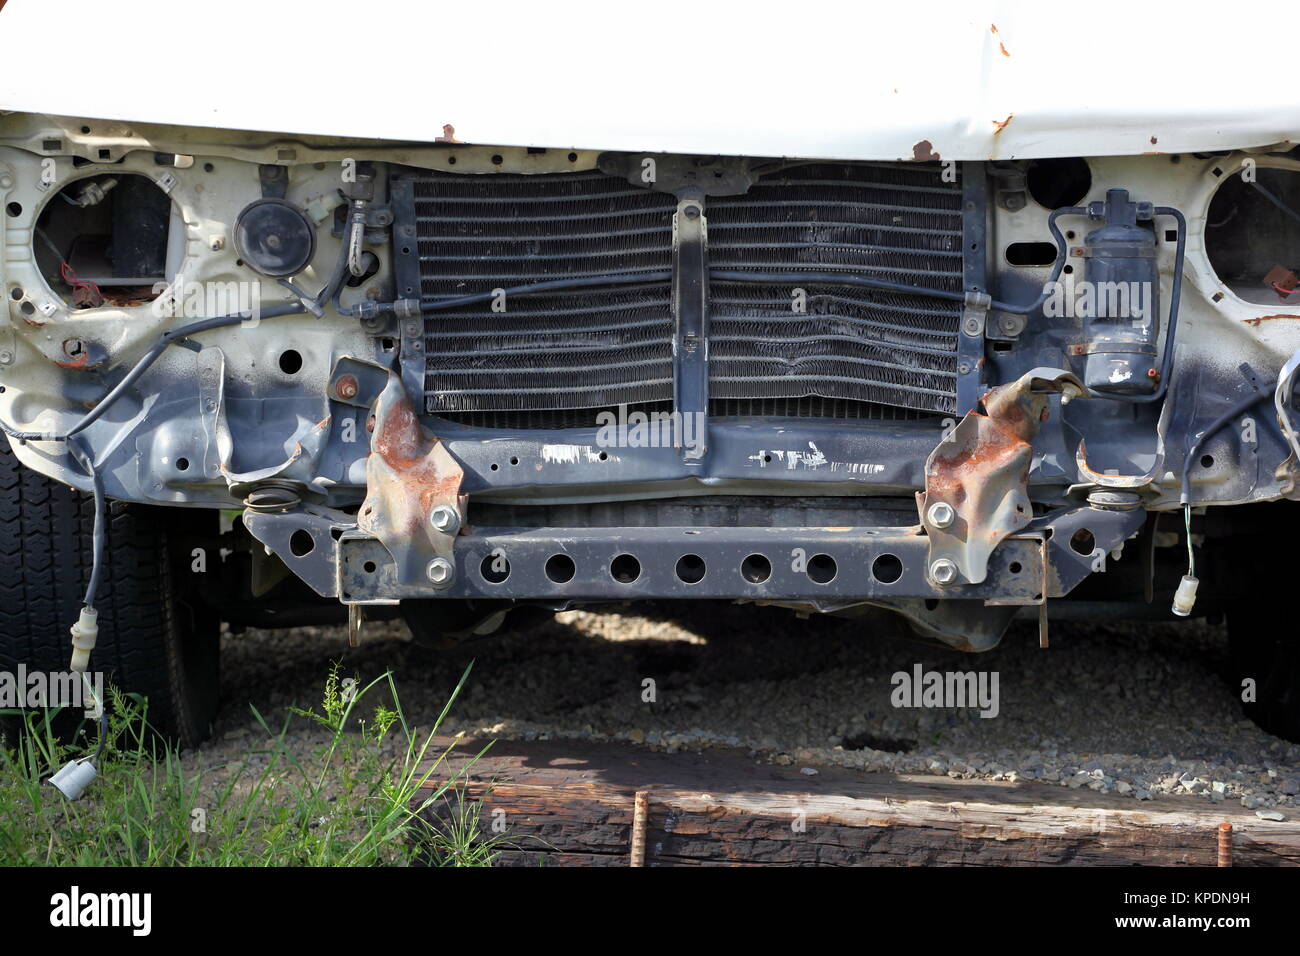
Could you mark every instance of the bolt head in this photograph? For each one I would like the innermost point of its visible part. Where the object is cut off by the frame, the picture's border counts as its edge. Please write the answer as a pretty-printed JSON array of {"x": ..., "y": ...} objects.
[
  {"x": 941, "y": 514},
  {"x": 943, "y": 571},
  {"x": 440, "y": 572},
  {"x": 444, "y": 518},
  {"x": 217, "y": 244},
  {"x": 347, "y": 387}
]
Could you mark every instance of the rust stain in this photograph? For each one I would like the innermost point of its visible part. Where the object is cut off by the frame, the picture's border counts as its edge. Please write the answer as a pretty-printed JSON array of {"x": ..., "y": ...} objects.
[
  {"x": 923, "y": 152},
  {"x": 993, "y": 28},
  {"x": 419, "y": 483},
  {"x": 398, "y": 441},
  {"x": 1153, "y": 141},
  {"x": 999, "y": 127},
  {"x": 996, "y": 445},
  {"x": 1268, "y": 318},
  {"x": 986, "y": 459},
  {"x": 78, "y": 363}
]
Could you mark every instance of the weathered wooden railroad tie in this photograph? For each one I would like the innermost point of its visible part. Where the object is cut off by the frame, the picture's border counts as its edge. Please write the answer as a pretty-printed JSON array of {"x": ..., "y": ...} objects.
[{"x": 571, "y": 803}]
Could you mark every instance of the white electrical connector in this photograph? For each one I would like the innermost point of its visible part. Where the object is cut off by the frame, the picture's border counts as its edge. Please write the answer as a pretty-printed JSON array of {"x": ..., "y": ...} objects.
[
  {"x": 1185, "y": 596},
  {"x": 84, "y": 634},
  {"x": 74, "y": 777}
]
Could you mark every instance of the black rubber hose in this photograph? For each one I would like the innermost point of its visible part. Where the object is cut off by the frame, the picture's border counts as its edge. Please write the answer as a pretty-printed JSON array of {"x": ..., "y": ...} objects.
[
  {"x": 734, "y": 275},
  {"x": 170, "y": 337},
  {"x": 885, "y": 285},
  {"x": 551, "y": 285},
  {"x": 98, "y": 531},
  {"x": 762, "y": 278}
]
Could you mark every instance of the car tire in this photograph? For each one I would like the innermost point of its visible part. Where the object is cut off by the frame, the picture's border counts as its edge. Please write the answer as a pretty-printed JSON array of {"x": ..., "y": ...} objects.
[{"x": 154, "y": 640}]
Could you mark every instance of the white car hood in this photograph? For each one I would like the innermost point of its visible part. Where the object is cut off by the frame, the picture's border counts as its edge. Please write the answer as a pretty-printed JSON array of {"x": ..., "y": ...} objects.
[{"x": 953, "y": 80}]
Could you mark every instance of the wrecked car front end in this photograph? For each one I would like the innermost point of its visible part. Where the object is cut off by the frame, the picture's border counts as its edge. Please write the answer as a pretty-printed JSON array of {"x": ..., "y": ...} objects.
[{"x": 452, "y": 380}]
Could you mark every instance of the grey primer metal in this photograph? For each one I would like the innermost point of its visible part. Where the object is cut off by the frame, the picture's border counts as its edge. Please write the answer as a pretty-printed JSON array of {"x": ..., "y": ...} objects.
[
  {"x": 809, "y": 391},
  {"x": 484, "y": 386},
  {"x": 845, "y": 565}
]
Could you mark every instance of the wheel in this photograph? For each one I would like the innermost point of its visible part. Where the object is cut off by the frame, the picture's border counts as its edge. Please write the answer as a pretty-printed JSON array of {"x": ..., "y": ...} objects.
[
  {"x": 1264, "y": 647},
  {"x": 154, "y": 640}
]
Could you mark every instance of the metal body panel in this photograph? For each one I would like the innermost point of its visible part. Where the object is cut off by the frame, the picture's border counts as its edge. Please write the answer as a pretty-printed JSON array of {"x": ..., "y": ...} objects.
[{"x": 956, "y": 79}]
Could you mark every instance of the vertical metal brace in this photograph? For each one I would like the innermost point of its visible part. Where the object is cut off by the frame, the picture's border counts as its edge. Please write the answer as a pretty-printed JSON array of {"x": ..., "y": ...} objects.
[
  {"x": 1042, "y": 605},
  {"x": 691, "y": 327},
  {"x": 970, "y": 341}
]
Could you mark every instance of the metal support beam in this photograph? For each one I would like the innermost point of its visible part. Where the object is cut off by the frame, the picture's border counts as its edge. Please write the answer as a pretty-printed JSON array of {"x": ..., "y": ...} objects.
[
  {"x": 691, "y": 327},
  {"x": 970, "y": 343}
]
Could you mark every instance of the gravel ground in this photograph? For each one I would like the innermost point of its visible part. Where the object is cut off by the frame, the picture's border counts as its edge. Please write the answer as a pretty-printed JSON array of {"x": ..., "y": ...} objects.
[{"x": 1134, "y": 709}]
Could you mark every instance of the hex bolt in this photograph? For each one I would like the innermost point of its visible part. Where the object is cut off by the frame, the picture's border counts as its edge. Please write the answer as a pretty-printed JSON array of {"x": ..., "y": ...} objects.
[
  {"x": 444, "y": 518},
  {"x": 217, "y": 244},
  {"x": 941, "y": 514},
  {"x": 346, "y": 387},
  {"x": 441, "y": 573},
  {"x": 943, "y": 571}
]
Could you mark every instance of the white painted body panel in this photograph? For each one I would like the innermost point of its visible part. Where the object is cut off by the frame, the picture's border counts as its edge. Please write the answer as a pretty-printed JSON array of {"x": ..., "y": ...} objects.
[{"x": 973, "y": 79}]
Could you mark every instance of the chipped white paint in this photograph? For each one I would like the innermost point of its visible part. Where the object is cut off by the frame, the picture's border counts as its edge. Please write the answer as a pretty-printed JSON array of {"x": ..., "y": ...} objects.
[
  {"x": 791, "y": 458},
  {"x": 857, "y": 467},
  {"x": 573, "y": 455}
]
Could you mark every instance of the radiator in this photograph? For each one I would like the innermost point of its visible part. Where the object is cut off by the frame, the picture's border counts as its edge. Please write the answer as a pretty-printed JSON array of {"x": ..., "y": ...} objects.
[{"x": 551, "y": 360}]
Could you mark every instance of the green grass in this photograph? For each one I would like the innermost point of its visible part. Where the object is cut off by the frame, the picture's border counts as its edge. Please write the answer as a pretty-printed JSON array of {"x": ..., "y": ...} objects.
[{"x": 348, "y": 800}]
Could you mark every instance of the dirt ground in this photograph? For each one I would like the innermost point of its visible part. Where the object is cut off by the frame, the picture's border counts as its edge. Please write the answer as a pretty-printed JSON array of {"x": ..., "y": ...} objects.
[{"x": 1141, "y": 710}]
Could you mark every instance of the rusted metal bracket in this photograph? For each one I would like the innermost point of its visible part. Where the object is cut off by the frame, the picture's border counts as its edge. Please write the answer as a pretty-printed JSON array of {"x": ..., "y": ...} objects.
[
  {"x": 413, "y": 503},
  {"x": 976, "y": 479},
  {"x": 1044, "y": 585}
]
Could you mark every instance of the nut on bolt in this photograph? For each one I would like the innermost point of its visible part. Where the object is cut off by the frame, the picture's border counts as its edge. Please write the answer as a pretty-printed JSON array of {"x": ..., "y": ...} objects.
[
  {"x": 440, "y": 573},
  {"x": 346, "y": 387},
  {"x": 943, "y": 571},
  {"x": 941, "y": 514},
  {"x": 444, "y": 518}
]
